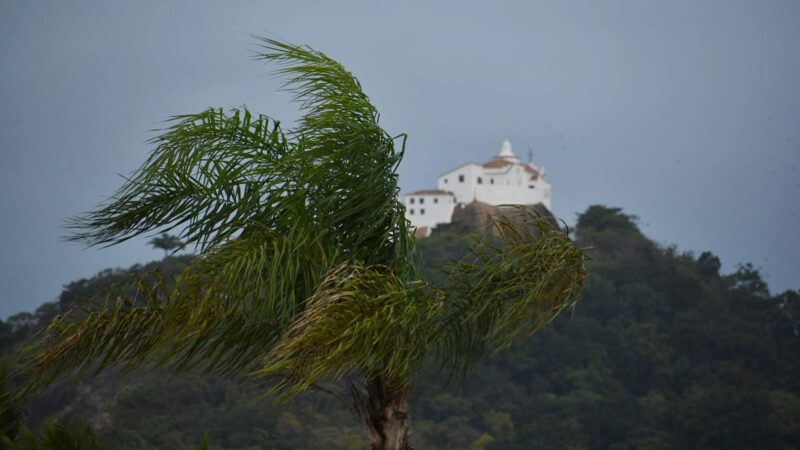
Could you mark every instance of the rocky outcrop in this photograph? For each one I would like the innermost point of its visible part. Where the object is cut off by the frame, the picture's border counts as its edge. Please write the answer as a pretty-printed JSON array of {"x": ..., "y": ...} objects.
[{"x": 477, "y": 215}]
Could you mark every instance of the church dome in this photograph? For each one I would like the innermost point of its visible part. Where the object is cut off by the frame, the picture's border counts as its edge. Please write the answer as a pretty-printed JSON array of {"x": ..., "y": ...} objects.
[
  {"x": 506, "y": 153},
  {"x": 505, "y": 149}
]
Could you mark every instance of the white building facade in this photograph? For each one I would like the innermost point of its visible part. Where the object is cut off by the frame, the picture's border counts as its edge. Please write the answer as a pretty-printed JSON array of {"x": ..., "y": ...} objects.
[
  {"x": 504, "y": 180},
  {"x": 428, "y": 208}
]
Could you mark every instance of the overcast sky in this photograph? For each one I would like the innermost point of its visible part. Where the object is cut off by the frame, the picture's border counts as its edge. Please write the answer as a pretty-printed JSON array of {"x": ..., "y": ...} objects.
[{"x": 685, "y": 113}]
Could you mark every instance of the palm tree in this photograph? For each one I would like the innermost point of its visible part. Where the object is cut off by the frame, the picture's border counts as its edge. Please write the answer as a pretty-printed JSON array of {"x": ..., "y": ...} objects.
[
  {"x": 166, "y": 242},
  {"x": 306, "y": 269}
]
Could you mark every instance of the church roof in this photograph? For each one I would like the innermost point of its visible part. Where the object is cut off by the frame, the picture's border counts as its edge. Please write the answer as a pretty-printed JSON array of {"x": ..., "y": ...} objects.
[
  {"x": 431, "y": 192},
  {"x": 534, "y": 173},
  {"x": 496, "y": 164},
  {"x": 505, "y": 160},
  {"x": 500, "y": 163}
]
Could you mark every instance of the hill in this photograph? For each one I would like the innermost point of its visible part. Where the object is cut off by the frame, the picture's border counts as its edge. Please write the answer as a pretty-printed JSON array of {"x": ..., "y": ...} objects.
[{"x": 662, "y": 351}]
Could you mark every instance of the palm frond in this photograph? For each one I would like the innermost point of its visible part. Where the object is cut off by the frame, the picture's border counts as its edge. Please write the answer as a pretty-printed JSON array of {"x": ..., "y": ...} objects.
[
  {"x": 126, "y": 329},
  {"x": 225, "y": 311},
  {"x": 306, "y": 268},
  {"x": 510, "y": 286},
  {"x": 58, "y": 436},
  {"x": 325, "y": 90},
  {"x": 213, "y": 174},
  {"x": 351, "y": 162},
  {"x": 271, "y": 213},
  {"x": 362, "y": 318},
  {"x": 210, "y": 173},
  {"x": 235, "y": 301}
]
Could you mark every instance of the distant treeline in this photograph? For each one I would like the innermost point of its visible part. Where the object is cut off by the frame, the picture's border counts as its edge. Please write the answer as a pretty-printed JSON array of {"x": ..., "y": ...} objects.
[{"x": 662, "y": 352}]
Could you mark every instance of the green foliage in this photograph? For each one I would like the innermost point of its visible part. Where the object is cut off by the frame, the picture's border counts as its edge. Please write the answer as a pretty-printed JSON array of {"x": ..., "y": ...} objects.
[
  {"x": 360, "y": 318},
  {"x": 510, "y": 287},
  {"x": 167, "y": 242},
  {"x": 271, "y": 212},
  {"x": 306, "y": 268},
  {"x": 670, "y": 355},
  {"x": 55, "y": 436},
  {"x": 602, "y": 218},
  {"x": 11, "y": 412},
  {"x": 482, "y": 442},
  {"x": 366, "y": 319}
]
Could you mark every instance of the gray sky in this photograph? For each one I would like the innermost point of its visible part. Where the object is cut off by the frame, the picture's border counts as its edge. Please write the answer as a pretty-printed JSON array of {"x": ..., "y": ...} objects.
[{"x": 685, "y": 113}]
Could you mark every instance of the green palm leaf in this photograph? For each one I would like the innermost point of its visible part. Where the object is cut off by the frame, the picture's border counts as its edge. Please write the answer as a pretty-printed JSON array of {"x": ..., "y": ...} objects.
[
  {"x": 211, "y": 173},
  {"x": 361, "y": 319},
  {"x": 306, "y": 267},
  {"x": 510, "y": 286}
]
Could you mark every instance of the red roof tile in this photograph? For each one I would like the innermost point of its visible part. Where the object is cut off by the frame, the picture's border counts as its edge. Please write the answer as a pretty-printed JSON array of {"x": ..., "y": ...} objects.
[
  {"x": 431, "y": 192},
  {"x": 496, "y": 164}
]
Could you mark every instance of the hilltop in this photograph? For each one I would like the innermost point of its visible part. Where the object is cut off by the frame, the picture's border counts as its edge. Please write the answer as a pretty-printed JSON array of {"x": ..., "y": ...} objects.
[{"x": 662, "y": 351}]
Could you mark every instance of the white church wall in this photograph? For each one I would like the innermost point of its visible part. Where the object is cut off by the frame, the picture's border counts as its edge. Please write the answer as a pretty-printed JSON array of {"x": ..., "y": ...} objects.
[
  {"x": 427, "y": 210},
  {"x": 547, "y": 194},
  {"x": 461, "y": 182},
  {"x": 497, "y": 177},
  {"x": 497, "y": 195}
]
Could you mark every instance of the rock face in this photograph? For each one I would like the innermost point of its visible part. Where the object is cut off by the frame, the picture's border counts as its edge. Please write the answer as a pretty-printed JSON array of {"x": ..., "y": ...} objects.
[
  {"x": 476, "y": 215},
  {"x": 421, "y": 232}
]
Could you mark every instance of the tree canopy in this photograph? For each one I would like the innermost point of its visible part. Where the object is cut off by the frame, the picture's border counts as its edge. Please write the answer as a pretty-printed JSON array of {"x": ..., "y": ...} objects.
[
  {"x": 167, "y": 242},
  {"x": 671, "y": 354},
  {"x": 306, "y": 266}
]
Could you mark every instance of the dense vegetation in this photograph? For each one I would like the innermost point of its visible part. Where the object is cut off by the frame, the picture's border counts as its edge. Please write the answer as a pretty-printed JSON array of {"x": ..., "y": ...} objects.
[
  {"x": 662, "y": 351},
  {"x": 306, "y": 270}
]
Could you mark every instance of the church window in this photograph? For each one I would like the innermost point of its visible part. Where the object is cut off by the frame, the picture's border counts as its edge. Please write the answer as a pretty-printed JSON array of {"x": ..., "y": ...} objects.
[
  {"x": 411, "y": 211},
  {"x": 411, "y": 200},
  {"x": 461, "y": 178},
  {"x": 480, "y": 180},
  {"x": 491, "y": 180},
  {"x": 435, "y": 200},
  {"x": 422, "y": 211},
  {"x": 530, "y": 186},
  {"x": 421, "y": 200},
  {"x": 445, "y": 180}
]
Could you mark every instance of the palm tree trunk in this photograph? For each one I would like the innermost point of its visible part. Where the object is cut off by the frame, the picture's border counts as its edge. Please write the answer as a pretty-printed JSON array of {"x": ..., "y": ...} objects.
[{"x": 384, "y": 410}]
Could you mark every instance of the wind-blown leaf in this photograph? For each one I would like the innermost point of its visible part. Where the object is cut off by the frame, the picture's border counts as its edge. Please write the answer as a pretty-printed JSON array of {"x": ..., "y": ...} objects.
[
  {"x": 510, "y": 286},
  {"x": 361, "y": 318},
  {"x": 272, "y": 213},
  {"x": 210, "y": 173},
  {"x": 350, "y": 159},
  {"x": 306, "y": 267}
]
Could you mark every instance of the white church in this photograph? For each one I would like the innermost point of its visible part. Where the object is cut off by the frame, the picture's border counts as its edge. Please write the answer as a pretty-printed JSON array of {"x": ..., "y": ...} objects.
[{"x": 503, "y": 180}]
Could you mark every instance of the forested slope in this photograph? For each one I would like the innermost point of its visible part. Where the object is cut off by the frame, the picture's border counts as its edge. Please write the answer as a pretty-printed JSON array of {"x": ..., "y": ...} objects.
[{"x": 662, "y": 351}]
